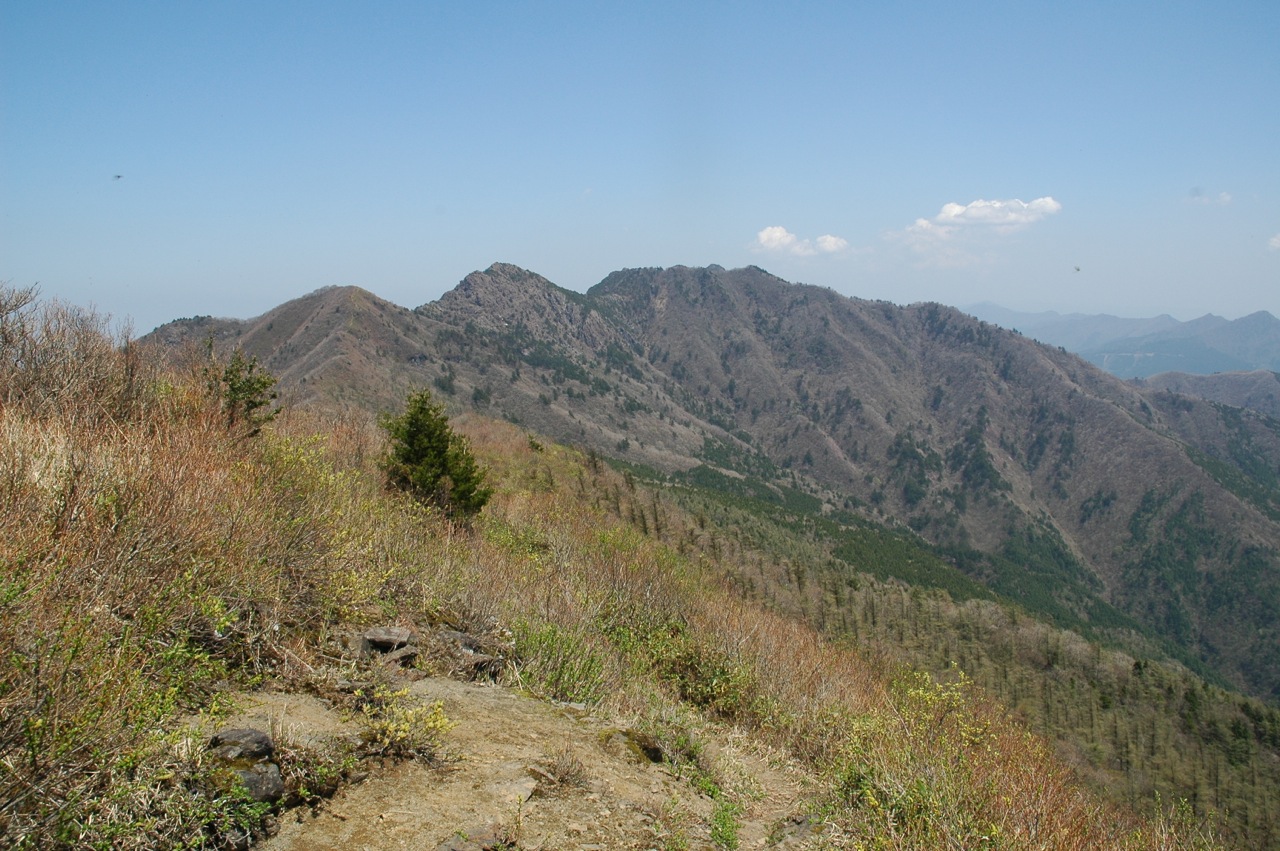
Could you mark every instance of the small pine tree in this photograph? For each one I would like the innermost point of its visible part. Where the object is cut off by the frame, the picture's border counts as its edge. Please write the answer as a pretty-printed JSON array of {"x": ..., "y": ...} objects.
[
  {"x": 244, "y": 391},
  {"x": 427, "y": 459}
]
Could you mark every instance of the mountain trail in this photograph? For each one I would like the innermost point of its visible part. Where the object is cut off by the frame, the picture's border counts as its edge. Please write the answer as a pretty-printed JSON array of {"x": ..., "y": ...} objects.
[{"x": 522, "y": 773}]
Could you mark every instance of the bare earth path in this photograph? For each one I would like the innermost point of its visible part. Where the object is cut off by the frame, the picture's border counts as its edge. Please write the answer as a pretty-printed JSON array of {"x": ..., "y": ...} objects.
[{"x": 500, "y": 787}]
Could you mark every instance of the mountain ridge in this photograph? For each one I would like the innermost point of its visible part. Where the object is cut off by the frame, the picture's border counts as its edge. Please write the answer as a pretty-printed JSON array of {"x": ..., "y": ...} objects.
[{"x": 1052, "y": 482}]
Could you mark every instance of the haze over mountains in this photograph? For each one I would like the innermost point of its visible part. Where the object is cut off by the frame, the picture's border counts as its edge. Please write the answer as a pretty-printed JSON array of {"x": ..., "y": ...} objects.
[
  {"x": 1109, "y": 508},
  {"x": 1235, "y": 362},
  {"x": 1142, "y": 348}
]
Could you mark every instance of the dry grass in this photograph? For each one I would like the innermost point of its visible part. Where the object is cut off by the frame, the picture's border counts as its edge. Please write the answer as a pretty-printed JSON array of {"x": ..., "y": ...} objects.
[{"x": 148, "y": 554}]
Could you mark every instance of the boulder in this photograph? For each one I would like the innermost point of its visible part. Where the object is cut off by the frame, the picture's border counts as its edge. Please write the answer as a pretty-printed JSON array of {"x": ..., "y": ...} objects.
[{"x": 247, "y": 753}]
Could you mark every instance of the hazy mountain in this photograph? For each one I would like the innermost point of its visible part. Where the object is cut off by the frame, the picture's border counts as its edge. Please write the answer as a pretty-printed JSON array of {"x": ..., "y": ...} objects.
[
  {"x": 1140, "y": 348},
  {"x": 1076, "y": 332},
  {"x": 1109, "y": 508}
]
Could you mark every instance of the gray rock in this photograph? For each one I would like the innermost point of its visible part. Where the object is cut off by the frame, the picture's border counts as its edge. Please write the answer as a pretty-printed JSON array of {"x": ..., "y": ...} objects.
[
  {"x": 247, "y": 753},
  {"x": 242, "y": 743},
  {"x": 263, "y": 782},
  {"x": 384, "y": 639}
]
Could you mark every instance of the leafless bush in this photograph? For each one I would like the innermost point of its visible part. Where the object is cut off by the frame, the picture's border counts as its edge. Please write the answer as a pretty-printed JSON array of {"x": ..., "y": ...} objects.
[{"x": 60, "y": 359}]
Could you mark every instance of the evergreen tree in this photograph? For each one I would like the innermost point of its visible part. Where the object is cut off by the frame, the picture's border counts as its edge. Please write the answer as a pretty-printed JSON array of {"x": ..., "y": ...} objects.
[
  {"x": 427, "y": 459},
  {"x": 243, "y": 389}
]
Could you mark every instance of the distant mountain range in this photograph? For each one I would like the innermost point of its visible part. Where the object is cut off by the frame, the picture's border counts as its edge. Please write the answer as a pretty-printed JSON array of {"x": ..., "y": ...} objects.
[
  {"x": 1142, "y": 348},
  {"x": 1108, "y": 507}
]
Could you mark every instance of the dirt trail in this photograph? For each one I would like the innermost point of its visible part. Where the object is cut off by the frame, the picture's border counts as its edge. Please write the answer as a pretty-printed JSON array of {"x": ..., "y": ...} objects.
[{"x": 499, "y": 786}]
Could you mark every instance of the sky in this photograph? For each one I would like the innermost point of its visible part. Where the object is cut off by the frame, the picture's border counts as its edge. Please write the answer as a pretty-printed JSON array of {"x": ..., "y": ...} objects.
[{"x": 168, "y": 159}]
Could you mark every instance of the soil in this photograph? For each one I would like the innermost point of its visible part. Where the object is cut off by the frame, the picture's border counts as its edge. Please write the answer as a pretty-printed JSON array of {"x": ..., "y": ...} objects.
[{"x": 522, "y": 773}]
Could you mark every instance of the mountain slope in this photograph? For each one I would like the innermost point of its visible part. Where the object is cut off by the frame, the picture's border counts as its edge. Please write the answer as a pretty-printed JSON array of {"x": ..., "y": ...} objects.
[
  {"x": 1103, "y": 508},
  {"x": 161, "y": 559},
  {"x": 1258, "y": 390}
]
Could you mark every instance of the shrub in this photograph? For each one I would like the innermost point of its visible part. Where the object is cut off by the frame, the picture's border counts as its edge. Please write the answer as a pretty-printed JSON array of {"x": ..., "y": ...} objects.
[
  {"x": 559, "y": 663},
  {"x": 427, "y": 459},
  {"x": 243, "y": 390},
  {"x": 398, "y": 727}
]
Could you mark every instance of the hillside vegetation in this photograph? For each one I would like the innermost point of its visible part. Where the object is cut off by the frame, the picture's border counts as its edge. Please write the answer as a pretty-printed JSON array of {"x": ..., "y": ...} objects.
[
  {"x": 1132, "y": 725},
  {"x": 1258, "y": 390},
  {"x": 1142, "y": 518},
  {"x": 157, "y": 551}
]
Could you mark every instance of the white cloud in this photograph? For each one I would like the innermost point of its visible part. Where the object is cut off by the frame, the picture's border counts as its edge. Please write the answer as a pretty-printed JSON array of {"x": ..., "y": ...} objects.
[
  {"x": 1274, "y": 243},
  {"x": 944, "y": 237},
  {"x": 1004, "y": 216},
  {"x": 781, "y": 240},
  {"x": 775, "y": 239},
  {"x": 831, "y": 244}
]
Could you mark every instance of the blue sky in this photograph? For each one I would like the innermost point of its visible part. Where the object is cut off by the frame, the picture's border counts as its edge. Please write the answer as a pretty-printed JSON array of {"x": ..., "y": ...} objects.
[{"x": 957, "y": 152}]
